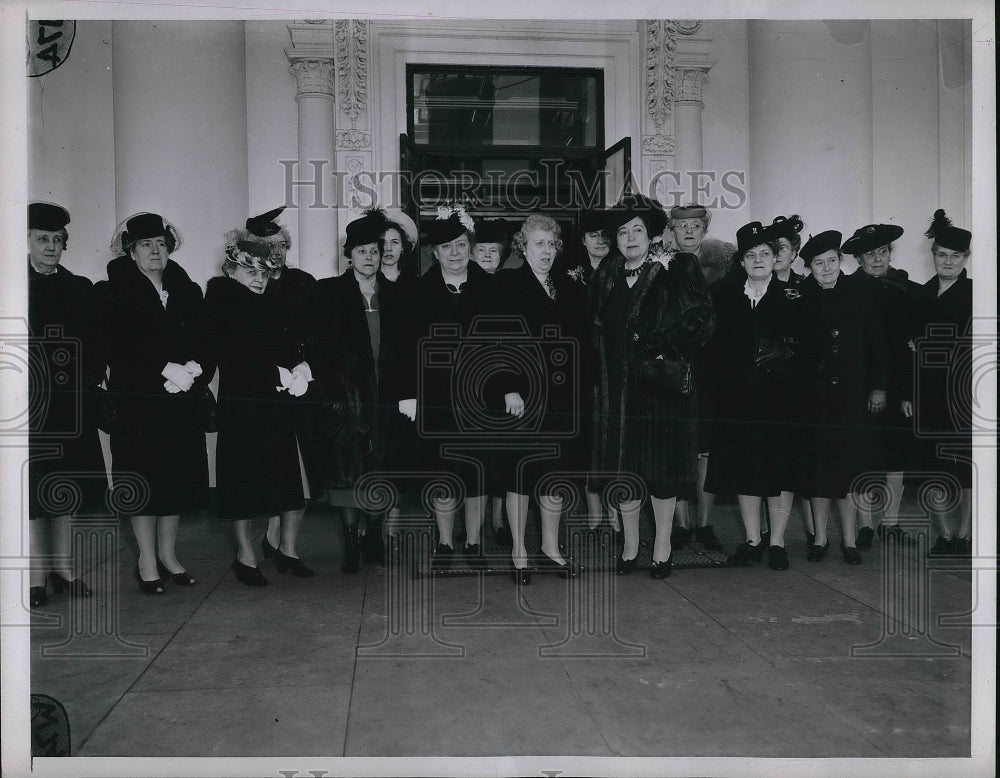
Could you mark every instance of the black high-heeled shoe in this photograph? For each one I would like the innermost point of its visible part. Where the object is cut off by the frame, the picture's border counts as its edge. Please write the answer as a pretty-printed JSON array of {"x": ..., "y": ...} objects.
[
  {"x": 266, "y": 548},
  {"x": 148, "y": 587},
  {"x": 625, "y": 566},
  {"x": 817, "y": 553},
  {"x": 521, "y": 577},
  {"x": 546, "y": 564},
  {"x": 661, "y": 570},
  {"x": 293, "y": 563},
  {"x": 183, "y": 578},
  {"x": 251, "y": 576},
  {"x": 37, "y": 596},
  {"x": 76, "y": 587}
]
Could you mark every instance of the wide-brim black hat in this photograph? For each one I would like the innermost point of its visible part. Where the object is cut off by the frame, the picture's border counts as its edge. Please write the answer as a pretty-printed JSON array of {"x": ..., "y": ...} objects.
[
  {"x": 820, "y": 244},
  {"x": 47, "y": 216},
  {"x": 451, "y": 222},
  {"x": 594, "y": 220},
  {"x": 870, "y": 237},
  {"x": 753, "y": 234},
  {"x": 365, "y": 229},
  {"x": 637, "y": 205},
  {"x": 142, "y": 226},
  {"x": 493, "y": 231},
  {"x": 946, "y": 234}
]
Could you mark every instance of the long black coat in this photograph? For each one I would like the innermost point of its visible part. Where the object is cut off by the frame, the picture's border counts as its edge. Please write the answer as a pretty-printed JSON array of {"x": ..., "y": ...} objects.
[
  {"x": 671, "y": 313},
  {"x": 894, "y": 298},
  {"x": 553, "y": 376},
  {"x": 752, "y": 451},
  {"x": 362, "y": 386},
  {"x": 67, "y": 365},
  {"x": 163, "y": 435},
  {"x": 844, "y": 358},
  {"x": 943, "y": 361},
  {"x": 257, "y": 460}
]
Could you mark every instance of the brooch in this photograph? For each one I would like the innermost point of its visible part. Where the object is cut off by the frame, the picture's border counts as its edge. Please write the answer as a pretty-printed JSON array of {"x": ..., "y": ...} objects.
[{"x": 793, "y": 294}]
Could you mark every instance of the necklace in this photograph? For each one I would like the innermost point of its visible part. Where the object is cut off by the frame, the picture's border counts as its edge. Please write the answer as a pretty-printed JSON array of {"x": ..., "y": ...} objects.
[{"x": 634, "y": 271}]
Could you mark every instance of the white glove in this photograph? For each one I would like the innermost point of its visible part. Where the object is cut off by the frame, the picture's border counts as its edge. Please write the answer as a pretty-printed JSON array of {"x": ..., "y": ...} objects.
[
  {"x": 178, "y": 374},
  {"x": 171, "y": 387},
  {"x": 409, "y": 408},
  {"x": 193, "y": 368},
  {"x": 285, "y": 376},
  {"x": 298, "y": 385},
  {"x": 514, "y": 403},
  {"x": 302, "y": 369}
]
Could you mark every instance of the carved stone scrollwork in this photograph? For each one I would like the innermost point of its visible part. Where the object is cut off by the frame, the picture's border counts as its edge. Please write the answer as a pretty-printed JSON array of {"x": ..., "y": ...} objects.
[
  {"x": 661, "y": 44},
  {"x": 313, "y": 76},
  {"x": 688, "y": 26},
  {"x": 351, "y": 41},
  {"x": 689, "y": 85},
  {"x": 353, "y": 140},
  {"x": 658, "y": 144}
]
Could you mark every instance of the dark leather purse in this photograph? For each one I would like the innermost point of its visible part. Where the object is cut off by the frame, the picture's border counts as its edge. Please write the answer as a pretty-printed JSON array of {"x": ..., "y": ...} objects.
[{"x": 667, "y": 375}]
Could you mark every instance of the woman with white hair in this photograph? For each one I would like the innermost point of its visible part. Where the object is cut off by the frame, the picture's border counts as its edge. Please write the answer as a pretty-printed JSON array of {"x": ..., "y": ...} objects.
[{"x": 262, "y": 370}]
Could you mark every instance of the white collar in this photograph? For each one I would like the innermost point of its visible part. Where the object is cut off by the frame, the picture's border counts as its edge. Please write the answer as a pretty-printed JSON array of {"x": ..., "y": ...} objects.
[{"x": 752, "y": 294}]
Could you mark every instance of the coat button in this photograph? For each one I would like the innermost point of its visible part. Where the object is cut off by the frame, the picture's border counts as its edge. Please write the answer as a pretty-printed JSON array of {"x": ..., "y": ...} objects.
[
  {"x": 834, "y": 348},
  {"x": 834, "y": 333},
  {"x": 834, "y": 381}
]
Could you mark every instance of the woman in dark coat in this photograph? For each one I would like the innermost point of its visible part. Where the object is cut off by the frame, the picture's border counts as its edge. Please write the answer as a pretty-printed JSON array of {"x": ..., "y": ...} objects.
[
  {"x": 751, "y": 357},
  {"x": 262, "y": 375},
  {"x": 944, "y": 349},
  {"x": 159, "y": 373},
  {"x": 62, "y": 321},
  {"x": 544, "y": 302},
  {"x": 650, "y": 318},
  {"x": 894, "y": 298},
  {"x": 843, "y": 349},
  {"x": 358, "y": 335}
]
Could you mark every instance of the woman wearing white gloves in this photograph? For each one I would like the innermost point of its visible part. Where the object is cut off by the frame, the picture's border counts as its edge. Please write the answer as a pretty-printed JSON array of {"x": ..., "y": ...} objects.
[
  {"x": 159, "y": 370},
  {"x": 262, "y": 372}
]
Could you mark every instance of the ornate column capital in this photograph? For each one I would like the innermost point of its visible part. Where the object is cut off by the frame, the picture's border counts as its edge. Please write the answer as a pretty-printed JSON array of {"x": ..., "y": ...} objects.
[
  {"x": 313, "y": 76},
  {"x": 661, "y": 45},
  {"x": 688, "y": 85}
]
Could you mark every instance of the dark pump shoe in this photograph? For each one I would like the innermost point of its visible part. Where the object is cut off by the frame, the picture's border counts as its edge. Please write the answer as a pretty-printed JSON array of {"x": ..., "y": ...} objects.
[
  {"x": 625, "y": 566},
  {"x": 443, "y": 557},
  {"x": 865, "y": 535},
  {"x": 747, "y": 553},
  {"x": 474, "y": 556},
  {"x": 818, "y": 553},
  {"x": 76, "y": 587},
  {"x": 706, "y": 536},
  {"x": 293, "y": 563},
  {"x": 148, "y": 587},
  {"x": 680, "y": 537},
  {"x": 183, "y": 578},
  {"x": 521, "y": 577},
  {"x": 777, "y": 558},
  {"x": 851, "y": 555},
  {"x": 943, "y": 547},
  {"x": 661, "y": 570},
  {"x": 37, "y": 596},
  {"x": 546, "y": 564},
  {"x": 251, "y": 576}
]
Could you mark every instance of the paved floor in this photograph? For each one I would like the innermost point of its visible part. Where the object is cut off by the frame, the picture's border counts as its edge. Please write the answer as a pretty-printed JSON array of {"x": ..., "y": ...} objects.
[{"x": 822, "y": 660}]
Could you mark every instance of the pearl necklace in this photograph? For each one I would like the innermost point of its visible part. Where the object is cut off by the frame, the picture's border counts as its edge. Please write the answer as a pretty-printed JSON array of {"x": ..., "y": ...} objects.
[{"x": 635, "y": 270}]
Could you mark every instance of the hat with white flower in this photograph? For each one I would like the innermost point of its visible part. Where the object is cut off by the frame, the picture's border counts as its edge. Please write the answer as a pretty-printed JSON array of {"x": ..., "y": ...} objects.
[{"x": 451, "y": 222}]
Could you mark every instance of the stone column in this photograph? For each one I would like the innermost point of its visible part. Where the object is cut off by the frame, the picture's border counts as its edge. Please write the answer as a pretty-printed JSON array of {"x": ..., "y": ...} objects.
[
  {"x": 180, "y": 131},
  {"x": 811, "y": 123},
  {"x": 312, "y": 65},
  {"x": 687, "y": 118}
]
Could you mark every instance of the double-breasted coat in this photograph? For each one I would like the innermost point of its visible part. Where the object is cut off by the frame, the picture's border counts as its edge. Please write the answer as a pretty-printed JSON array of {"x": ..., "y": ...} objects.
[
  {"x": 251, "y": 335},
  {"x": 161, "y": 436},
  {"x": 844, "y": 358},
  {"x": 752, "y": 449},
  {"x": 67, "y": 364},
  {"x": 943, "y": 361},
  {"x": 639, "y": 427}
]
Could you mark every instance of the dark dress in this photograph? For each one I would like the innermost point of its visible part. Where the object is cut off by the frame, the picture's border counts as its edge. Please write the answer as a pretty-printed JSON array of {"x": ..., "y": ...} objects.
[
  {"x": 640, "y": 427},
  {"x": 752, "y": 446},
  {"x": 257, "y": 461},
  {"x": 944, "y": 366},
  {"x": 162, "y": 435},
  {"x": 895, "y": 299},
  {"x": 356, "y": 350},
  {"x": 454, "y": 416},
  {"x": 67, "y": 364},
  {"x": 551, "y": 379},
  {"x": 843, "y": 353}
]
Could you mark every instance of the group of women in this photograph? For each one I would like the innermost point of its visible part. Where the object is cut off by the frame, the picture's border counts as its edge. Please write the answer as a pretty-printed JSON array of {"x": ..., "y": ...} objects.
[{"x": 503, "y": 379}]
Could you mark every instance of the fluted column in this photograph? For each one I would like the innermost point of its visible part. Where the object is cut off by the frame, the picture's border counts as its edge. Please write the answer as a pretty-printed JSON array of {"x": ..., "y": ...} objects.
[
  {"x": 811, "y": 122},
  {"x": 688, "y": 105},
  {"x": 312, "y": 65},
  {"x": 180, "y": 131}
]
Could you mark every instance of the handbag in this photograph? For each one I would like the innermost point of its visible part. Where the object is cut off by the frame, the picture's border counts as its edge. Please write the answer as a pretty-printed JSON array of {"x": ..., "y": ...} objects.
[
  {"x": 667, "y": 375},
  {"x": 767, "y": 351}
]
